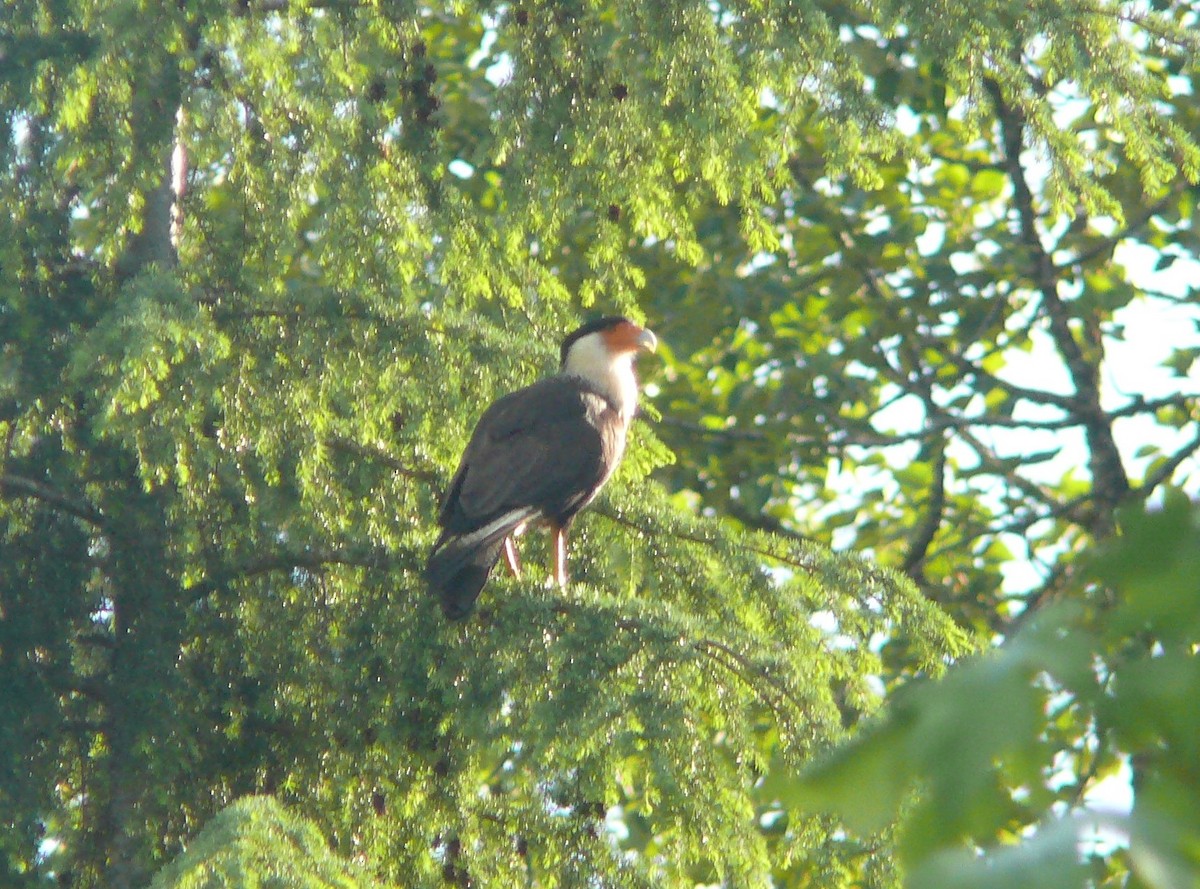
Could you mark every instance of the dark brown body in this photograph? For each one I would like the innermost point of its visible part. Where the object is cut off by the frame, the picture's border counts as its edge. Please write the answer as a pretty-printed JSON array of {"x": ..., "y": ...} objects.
[{"x": 537, "y": 455}]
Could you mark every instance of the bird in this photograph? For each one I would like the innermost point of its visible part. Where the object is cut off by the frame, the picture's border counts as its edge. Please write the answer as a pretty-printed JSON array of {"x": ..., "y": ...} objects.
[{"x": 537, "y": 456}]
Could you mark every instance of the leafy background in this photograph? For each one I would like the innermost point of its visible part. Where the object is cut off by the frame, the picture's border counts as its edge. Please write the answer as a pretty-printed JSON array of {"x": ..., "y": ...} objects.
[{"x": 923, "y": 275}]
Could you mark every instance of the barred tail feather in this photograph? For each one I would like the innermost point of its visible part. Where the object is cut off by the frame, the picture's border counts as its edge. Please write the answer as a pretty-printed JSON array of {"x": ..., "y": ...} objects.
[{"x": 459, "y": 564}]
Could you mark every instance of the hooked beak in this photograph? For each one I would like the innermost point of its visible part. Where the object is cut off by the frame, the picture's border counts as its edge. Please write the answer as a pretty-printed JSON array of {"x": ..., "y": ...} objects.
[{"x": 647, "y": 341}]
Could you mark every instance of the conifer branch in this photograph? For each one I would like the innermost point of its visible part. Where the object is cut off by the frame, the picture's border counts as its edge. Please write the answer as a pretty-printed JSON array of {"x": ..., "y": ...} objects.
[
  {"x": 336, "y": 311},
  {"x": 745, "y": 669},
  {"x": 1106, "y": 246},
  {"x": 734, "y": 666},
  {"x": 1159, "y": 27},
  {"x": 98, "y": 638},
  {"x": 776, "y": 693},
  {"x": 710, "y": 542},
  {"x": 94, "y": 688},
  {"x": 763, "y": 521},
  {"x": 90, "y": 687}
]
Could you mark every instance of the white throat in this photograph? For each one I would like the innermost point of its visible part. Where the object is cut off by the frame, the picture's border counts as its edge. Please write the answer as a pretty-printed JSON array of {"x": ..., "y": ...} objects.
[{"x": 613, "y": 375}]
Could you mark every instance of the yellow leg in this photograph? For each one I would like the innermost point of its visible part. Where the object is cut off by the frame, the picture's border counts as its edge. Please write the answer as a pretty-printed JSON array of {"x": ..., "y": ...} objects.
[
  {"x": 510, "y": 557},
  {"x": 560, "y": 557}
]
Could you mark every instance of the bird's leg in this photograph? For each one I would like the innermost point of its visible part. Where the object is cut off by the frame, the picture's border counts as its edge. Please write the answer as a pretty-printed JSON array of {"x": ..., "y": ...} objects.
[
  {"x": 560, "y": 556},
  {"x": 510, "y": 557}
]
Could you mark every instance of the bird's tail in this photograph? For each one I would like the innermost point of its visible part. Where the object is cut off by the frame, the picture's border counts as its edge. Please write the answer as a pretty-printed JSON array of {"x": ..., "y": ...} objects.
[{"x": 459, "y": 564}]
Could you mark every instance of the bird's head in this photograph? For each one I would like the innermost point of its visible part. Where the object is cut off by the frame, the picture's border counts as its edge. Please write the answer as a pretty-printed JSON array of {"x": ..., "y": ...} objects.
[
  {"x": 602, "y": 352},
  {"x": 605, "y": 341}
]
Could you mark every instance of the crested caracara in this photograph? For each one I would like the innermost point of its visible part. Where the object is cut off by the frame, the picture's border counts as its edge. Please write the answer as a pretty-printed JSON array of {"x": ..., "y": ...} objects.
[{"x": 537, "y": 455}]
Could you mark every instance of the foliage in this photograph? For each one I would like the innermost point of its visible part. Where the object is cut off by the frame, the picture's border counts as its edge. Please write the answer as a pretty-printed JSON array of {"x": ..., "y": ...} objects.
[
  {"x": 255, "y": 843},
  {"x": 1125, "y": 661},
  {"x": 229, "y": 398}
]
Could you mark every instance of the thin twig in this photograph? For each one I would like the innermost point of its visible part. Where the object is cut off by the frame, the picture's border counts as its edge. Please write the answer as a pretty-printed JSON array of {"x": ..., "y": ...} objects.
[
  {"x": 1106, "y": 246},
  {"x": 707, "y": 646},
  {"x": 1164, "y": 472}
]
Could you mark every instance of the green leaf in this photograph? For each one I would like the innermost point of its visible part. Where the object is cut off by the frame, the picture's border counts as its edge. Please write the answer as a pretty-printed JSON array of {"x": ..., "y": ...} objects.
[
  {"x": 863, "y": 782},
  {"x": 1047, "y": 860},
  {"x": 1155, "y": 566},
  {"x": 1165, "y": 837}
]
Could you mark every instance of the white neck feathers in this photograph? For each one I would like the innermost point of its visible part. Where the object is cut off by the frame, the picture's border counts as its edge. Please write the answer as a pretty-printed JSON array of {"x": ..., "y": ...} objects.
[{"x": 611, "y": 374}]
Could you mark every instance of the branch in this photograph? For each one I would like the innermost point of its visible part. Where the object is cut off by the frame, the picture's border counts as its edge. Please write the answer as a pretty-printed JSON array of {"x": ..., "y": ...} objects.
[
  {"x": 975, "y": 165},
  {"x": 745, "y": 669},
  {"x": 1108, "y": 472},
  {"x": 1038, "y": 396},
  {"x": 949, "y": 421},
  {"x": 762, "y": 521},
  {"x": 719, "y": 653},
  {"x": 710, "y": 542},
  {"x": 1109, "y": 244},
  {"x": 19, "y": 486},
  {"x": 98, "y": 638},
  {"x": 1060, "y": 576},
  {"x": 1137, "y": 405},
  {"x": 1085, "y": 404},
  {"x": 1163, "y": 473},
  {"x": 1066, "y": 510},
  {"x": 835, "y": 441},
  {"x": 91, "y": 687},
  {"x": 63, "y": 682},
  {"x": 309, "y": 560},
  {"x": 989, "y": 459},
  {"x": 1154, "y": 24},
  {"x": 928, "y": 529},
  {"x": 1140, "y": 405},
  {"x": 730, "y": 433},
  {"x": 1188, "y": 298},
  {"x": 349, "y": 446}
]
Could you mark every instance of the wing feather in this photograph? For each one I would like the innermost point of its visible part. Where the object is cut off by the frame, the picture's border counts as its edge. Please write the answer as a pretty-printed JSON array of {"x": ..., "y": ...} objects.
[{"x": 543, "y": 446}]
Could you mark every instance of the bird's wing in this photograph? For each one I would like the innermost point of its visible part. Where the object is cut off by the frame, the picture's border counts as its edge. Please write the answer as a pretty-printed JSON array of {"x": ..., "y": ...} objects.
[{"x": 540, "y": 446}]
